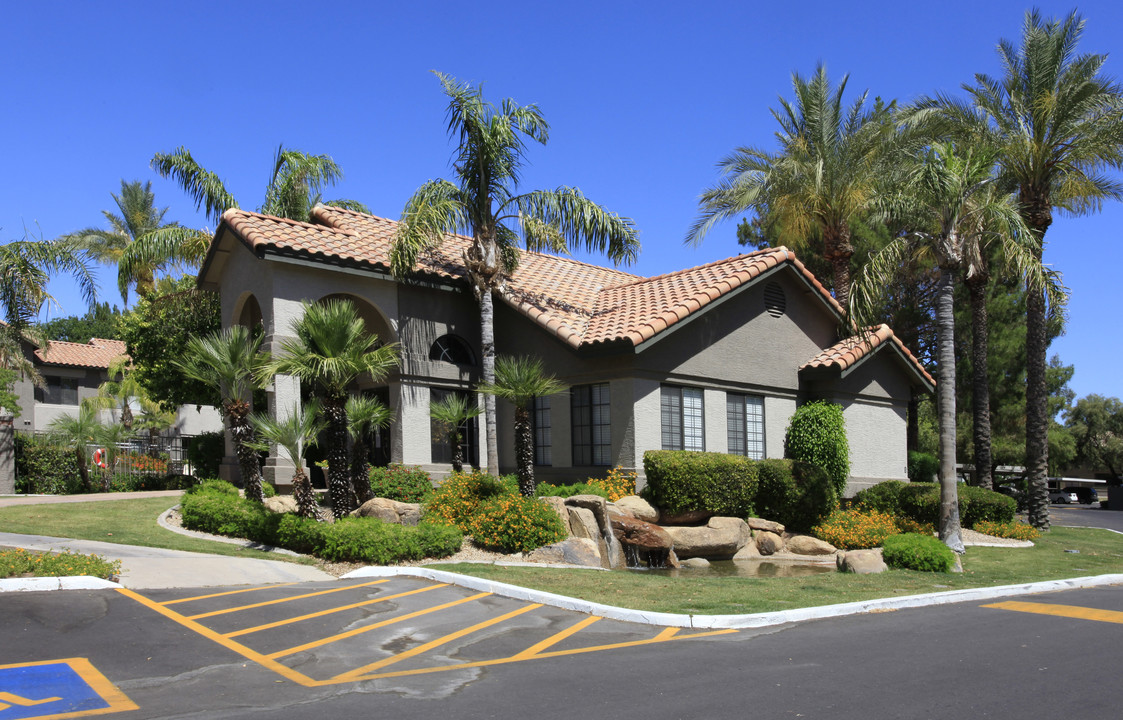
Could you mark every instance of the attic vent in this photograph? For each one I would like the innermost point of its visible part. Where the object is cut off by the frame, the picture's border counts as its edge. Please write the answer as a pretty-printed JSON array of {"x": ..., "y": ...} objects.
[{"x": 774, "y": 300}]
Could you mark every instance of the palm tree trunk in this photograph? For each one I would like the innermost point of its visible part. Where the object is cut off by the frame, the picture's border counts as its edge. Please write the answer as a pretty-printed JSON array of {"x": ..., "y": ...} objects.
[
  {"x": 524, "y": 451},
  {"x": 83, "y": 471},
  {"x": 249, "y": 464},
  {"x": 457, "y": 450},
  {"x": 980, "y": 390},
  {"x": 305, "y": 498},
  {"x": 360, "y": 472},
  {"x": 945, "y": 397},
  {"x": 487, "y": 340},
  {"x": 838, "y": 251},
  {"x": 340, "y": 491},
  {"x": 1037, "y": 212}
]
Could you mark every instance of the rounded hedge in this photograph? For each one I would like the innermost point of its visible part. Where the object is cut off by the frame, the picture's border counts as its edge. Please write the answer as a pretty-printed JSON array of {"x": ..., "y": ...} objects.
[
  {"x": 917, "y": 552},
  {"x": 513, "y": 523},
  {"x": 796, "y": 494},
  {"x": 682, "y": 480},
  {"x": 817, "y": 434},
  {"x": 403, "y": 483}
]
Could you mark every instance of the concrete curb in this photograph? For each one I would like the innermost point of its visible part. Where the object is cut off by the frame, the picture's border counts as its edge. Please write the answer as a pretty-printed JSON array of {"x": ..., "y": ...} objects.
[
  {"x": 756, "y": 620},
  {"x": 42, "y": 584}
]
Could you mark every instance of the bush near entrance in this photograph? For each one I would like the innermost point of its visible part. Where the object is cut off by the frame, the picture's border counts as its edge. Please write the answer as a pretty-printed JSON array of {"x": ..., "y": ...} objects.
[
  {"x": 816, "y": 434},
  {"x": 682, "y": 481}
]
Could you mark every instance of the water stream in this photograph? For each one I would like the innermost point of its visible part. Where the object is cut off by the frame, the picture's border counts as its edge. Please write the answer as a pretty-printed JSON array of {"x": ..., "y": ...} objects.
[{"x": 744, "y": 568}]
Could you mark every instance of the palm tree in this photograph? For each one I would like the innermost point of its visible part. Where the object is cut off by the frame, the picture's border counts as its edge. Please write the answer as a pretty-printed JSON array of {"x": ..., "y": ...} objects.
[
  {"x": 230, "y": 360},
  {"x": 295, "y": 433},
  {"x": 77, "y": 432},
  {"x": 483, "y": 203},
  {"x": 452, "y": 412},
  {"x": 365, "y": 415},
  {"x": 331, "y": 350},
  {"x": 1057, "y": 124},
  {"x": 139, "y": 219},
  {"x": 961, "y": 211},
  {"x": 823, "y": 177},
  {"x": 520, "y": 380}
]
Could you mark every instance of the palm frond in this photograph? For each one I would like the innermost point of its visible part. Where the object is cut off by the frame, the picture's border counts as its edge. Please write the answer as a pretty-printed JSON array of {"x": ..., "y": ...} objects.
[
  {"x": 203, "y": 186},
  {"x": 575, "y": 220}
]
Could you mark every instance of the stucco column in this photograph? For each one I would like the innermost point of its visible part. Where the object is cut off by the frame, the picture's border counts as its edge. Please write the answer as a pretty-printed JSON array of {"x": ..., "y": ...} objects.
[
  {"x": 411, "y": 443},
  {"x": 7, "y": 453},
  {"x": 284, "y": 401}
]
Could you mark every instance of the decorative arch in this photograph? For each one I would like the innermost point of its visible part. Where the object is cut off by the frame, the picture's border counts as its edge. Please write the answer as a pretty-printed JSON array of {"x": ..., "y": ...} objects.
[
  {"x": 452, "y": 349},
  {"x": 247, "y": 312},
  {"x": 373, "y": 318}
]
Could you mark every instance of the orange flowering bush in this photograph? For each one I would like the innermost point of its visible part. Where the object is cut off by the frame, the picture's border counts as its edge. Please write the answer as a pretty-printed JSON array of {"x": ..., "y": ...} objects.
[
  {"x": 1014, "y": 529},
  {"x": 20, "y": 562},
  {"x": 618, "y": 483},
  {"x": 144, "y": 463},
  {"x": 513, "y": 523},
  {"x": 456, "y": 500},
  {"x": 907, "y": 525},
  {"x": 854, "y": 529}
]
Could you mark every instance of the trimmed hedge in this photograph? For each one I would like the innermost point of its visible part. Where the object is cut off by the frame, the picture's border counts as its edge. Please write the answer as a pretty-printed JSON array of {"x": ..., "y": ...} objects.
[
  {"x": 798, "y": 495},
  {"x": 921, "y": 502},
  {"x": 211, "y": 507},
  {"x": 565, "y": 491},
  {"x": 817, "y": 434},
  {"x": 43, "y": 468},
  {"x": 922, "y": 466},
  {"x": 403, "y": 483},
  {"x": 683, "y": 480},
  {"x": 917, "y": 552}
]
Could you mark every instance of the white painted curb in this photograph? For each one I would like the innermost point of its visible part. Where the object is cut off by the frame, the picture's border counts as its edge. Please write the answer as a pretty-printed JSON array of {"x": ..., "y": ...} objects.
[
  {"x": 41, "y": 584},
  {"x": 755, "y": 620}
]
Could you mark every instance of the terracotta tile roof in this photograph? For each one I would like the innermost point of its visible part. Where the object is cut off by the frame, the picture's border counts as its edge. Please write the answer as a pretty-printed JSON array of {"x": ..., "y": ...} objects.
[
  {"x": 851, "y": 351},
  {"x": 98, "y": 353},
  {"x": 580, "y": 303}
]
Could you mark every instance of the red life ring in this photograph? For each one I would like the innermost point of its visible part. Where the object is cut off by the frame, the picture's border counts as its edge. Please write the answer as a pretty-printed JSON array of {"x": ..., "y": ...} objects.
[{"x": 99, "y": 457}]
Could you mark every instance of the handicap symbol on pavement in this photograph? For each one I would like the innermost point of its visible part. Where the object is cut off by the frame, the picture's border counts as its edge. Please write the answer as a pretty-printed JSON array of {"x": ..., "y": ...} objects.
[{"x": 53, "y": 689}]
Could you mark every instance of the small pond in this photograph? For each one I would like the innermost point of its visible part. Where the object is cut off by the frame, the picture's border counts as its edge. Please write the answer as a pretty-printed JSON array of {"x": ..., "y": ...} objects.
[{"x": 745, "y": 568}]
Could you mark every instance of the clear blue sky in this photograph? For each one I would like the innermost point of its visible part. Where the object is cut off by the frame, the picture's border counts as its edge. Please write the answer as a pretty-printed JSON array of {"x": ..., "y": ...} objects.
[{"x": 643, "y": 98}]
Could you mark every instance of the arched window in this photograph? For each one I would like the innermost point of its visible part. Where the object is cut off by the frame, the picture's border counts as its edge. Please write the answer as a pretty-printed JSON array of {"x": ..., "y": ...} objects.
[{"x": 451, "y": 349}]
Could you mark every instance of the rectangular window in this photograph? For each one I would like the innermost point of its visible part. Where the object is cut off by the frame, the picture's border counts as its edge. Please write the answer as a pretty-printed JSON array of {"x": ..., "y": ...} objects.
[
  {"x": 744, "y": 416},
  {"x": 681, "y": 412},
  {"x": 469, "y": 431},
  {"x": 58, "y": 391},
  {"x": 592, "y": 430},
  {"x": 543, "y": 442}
]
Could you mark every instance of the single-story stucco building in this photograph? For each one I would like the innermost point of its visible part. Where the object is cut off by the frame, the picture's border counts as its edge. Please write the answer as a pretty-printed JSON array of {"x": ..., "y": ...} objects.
[{"x": 715, "y": 357}]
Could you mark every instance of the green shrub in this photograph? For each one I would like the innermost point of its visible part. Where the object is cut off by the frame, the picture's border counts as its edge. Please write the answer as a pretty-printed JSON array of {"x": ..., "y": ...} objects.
[
  {"x": 683, "y": 480},
  {"x": 371, "y": 540},
  {"x": 301, "y": 535},
  {"x": 43, "y": 468},
  {"x": 884, "y": 497},
  {"x": 19, "y": 562},
  {"x": 513, "y": 523},
  {"x": 817, "y": 434},
  {"x": 212, "y": 485},
  {"x": 204, "y": 453},
  {"x": 220, "y": 513},
  {"x": 565, "y": 491},
  {"x": 921, "y": 502},
  {"x": 917, "y": 552},
  {"x": 922, "y": 466},
  {"x": 455, "y": 500},
  {"x": 798, "y": 495},
  {"x": 403, "y": 483},
  {"x": 856, "y": 529}
]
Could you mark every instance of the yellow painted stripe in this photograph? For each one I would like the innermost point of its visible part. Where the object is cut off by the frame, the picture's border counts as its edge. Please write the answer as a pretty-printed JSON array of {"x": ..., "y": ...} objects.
[
  {"x": 519, "y": 658},
  {"x": 281, "y": 623},
  {"x": 282, "y": 600},
  {"x": 375, "y": 626},
  {"x": 1069, "y": 611},
  {"x": 667, "y": 633},
  {"x": 425, "y": 647},
  {"x": 221, "y": 594},
  {"x": 237, "y": 647},
  {"x": 557, "y": 638}
]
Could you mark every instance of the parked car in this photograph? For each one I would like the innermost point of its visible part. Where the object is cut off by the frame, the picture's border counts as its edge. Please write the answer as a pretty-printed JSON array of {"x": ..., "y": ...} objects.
[
  {"x": 1064, "y": 496},
  {"x": 1086, "y": 495}
]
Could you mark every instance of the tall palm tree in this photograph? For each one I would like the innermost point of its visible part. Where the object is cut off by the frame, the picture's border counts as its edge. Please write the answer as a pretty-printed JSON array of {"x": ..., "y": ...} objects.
[
  {"x": 953, "y": 195},
  {"x": 230, "y": 360},
  {"x": 520, "y": 380},
  {"x": 452, "y": 411},
  {"x": 139, "y": 219},
  {"x": 365, "y": 415},
  {"x": 1057, "y": 124},
  {"x": 295, "y": 433},
  {"x": 824, "y": 175},
  {"x": 77, "y": 431},
  {"x": 330, "y": 351},
  {"x": 484, "y": 203}
]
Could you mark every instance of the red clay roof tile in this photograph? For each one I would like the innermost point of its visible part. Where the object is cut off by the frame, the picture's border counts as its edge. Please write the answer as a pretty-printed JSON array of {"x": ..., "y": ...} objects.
[
  {"x": 847, "y": 353},
  {"x": 98, "y": 353}
]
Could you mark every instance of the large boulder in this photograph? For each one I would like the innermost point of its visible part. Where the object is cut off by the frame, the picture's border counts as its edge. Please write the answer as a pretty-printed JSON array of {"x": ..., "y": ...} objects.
[
  {"x": 769, "y": 543},
  {"x": 390, "y": 511},
  {"x": 686, "y": 517},
  {"x": 696, "y": 562},
  {"x": 281, "y": 504},
  {"x": 643, "y": 543},
  {"x": 595, "y": 504},
  {"x": 639, "y": 508},
  {"x": 862, "y": 562},
  {"x": 574, "y": 551},
  {"x": 720, "y": 538},
  {"x": 749, "y": 552},
  {"x": 807, "y": 545},
  {"x": 557, "y": 504},
  {"x": 762, "y": 525}
]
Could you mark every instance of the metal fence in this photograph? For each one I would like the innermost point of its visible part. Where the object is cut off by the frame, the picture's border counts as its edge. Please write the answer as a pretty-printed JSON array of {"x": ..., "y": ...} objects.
[{"x": 155, "y": 456}]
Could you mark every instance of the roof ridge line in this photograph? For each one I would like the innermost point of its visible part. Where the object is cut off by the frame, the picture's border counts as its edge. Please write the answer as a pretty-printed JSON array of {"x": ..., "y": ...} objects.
[{"x": 763, "y": 251}]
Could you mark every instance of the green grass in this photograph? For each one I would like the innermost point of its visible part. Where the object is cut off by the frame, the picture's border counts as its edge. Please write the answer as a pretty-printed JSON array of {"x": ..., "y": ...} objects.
[
  {"x": 1101, "y": 552},
  {"x": 126, "y": 522}
]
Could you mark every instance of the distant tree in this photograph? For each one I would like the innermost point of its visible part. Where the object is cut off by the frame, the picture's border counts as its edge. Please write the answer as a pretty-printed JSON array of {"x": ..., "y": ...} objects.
[
  {"x": 77, "y": 431},
  {"x": 1096, "y": 423},
  {"x": 157, "y": 330},
  {"x": 101, "y": 322},
  {"x": 451, "y": 412}
]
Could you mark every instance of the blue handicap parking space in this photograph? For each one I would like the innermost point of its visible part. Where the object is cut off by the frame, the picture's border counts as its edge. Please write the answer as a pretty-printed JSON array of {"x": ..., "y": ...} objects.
[{"x": 57, "y": 688}]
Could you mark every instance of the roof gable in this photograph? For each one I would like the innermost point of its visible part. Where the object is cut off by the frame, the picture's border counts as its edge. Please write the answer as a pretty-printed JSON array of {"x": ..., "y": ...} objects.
[
  {"x": 98, "y": 353},
  {"x": 846, "y": 355}
]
